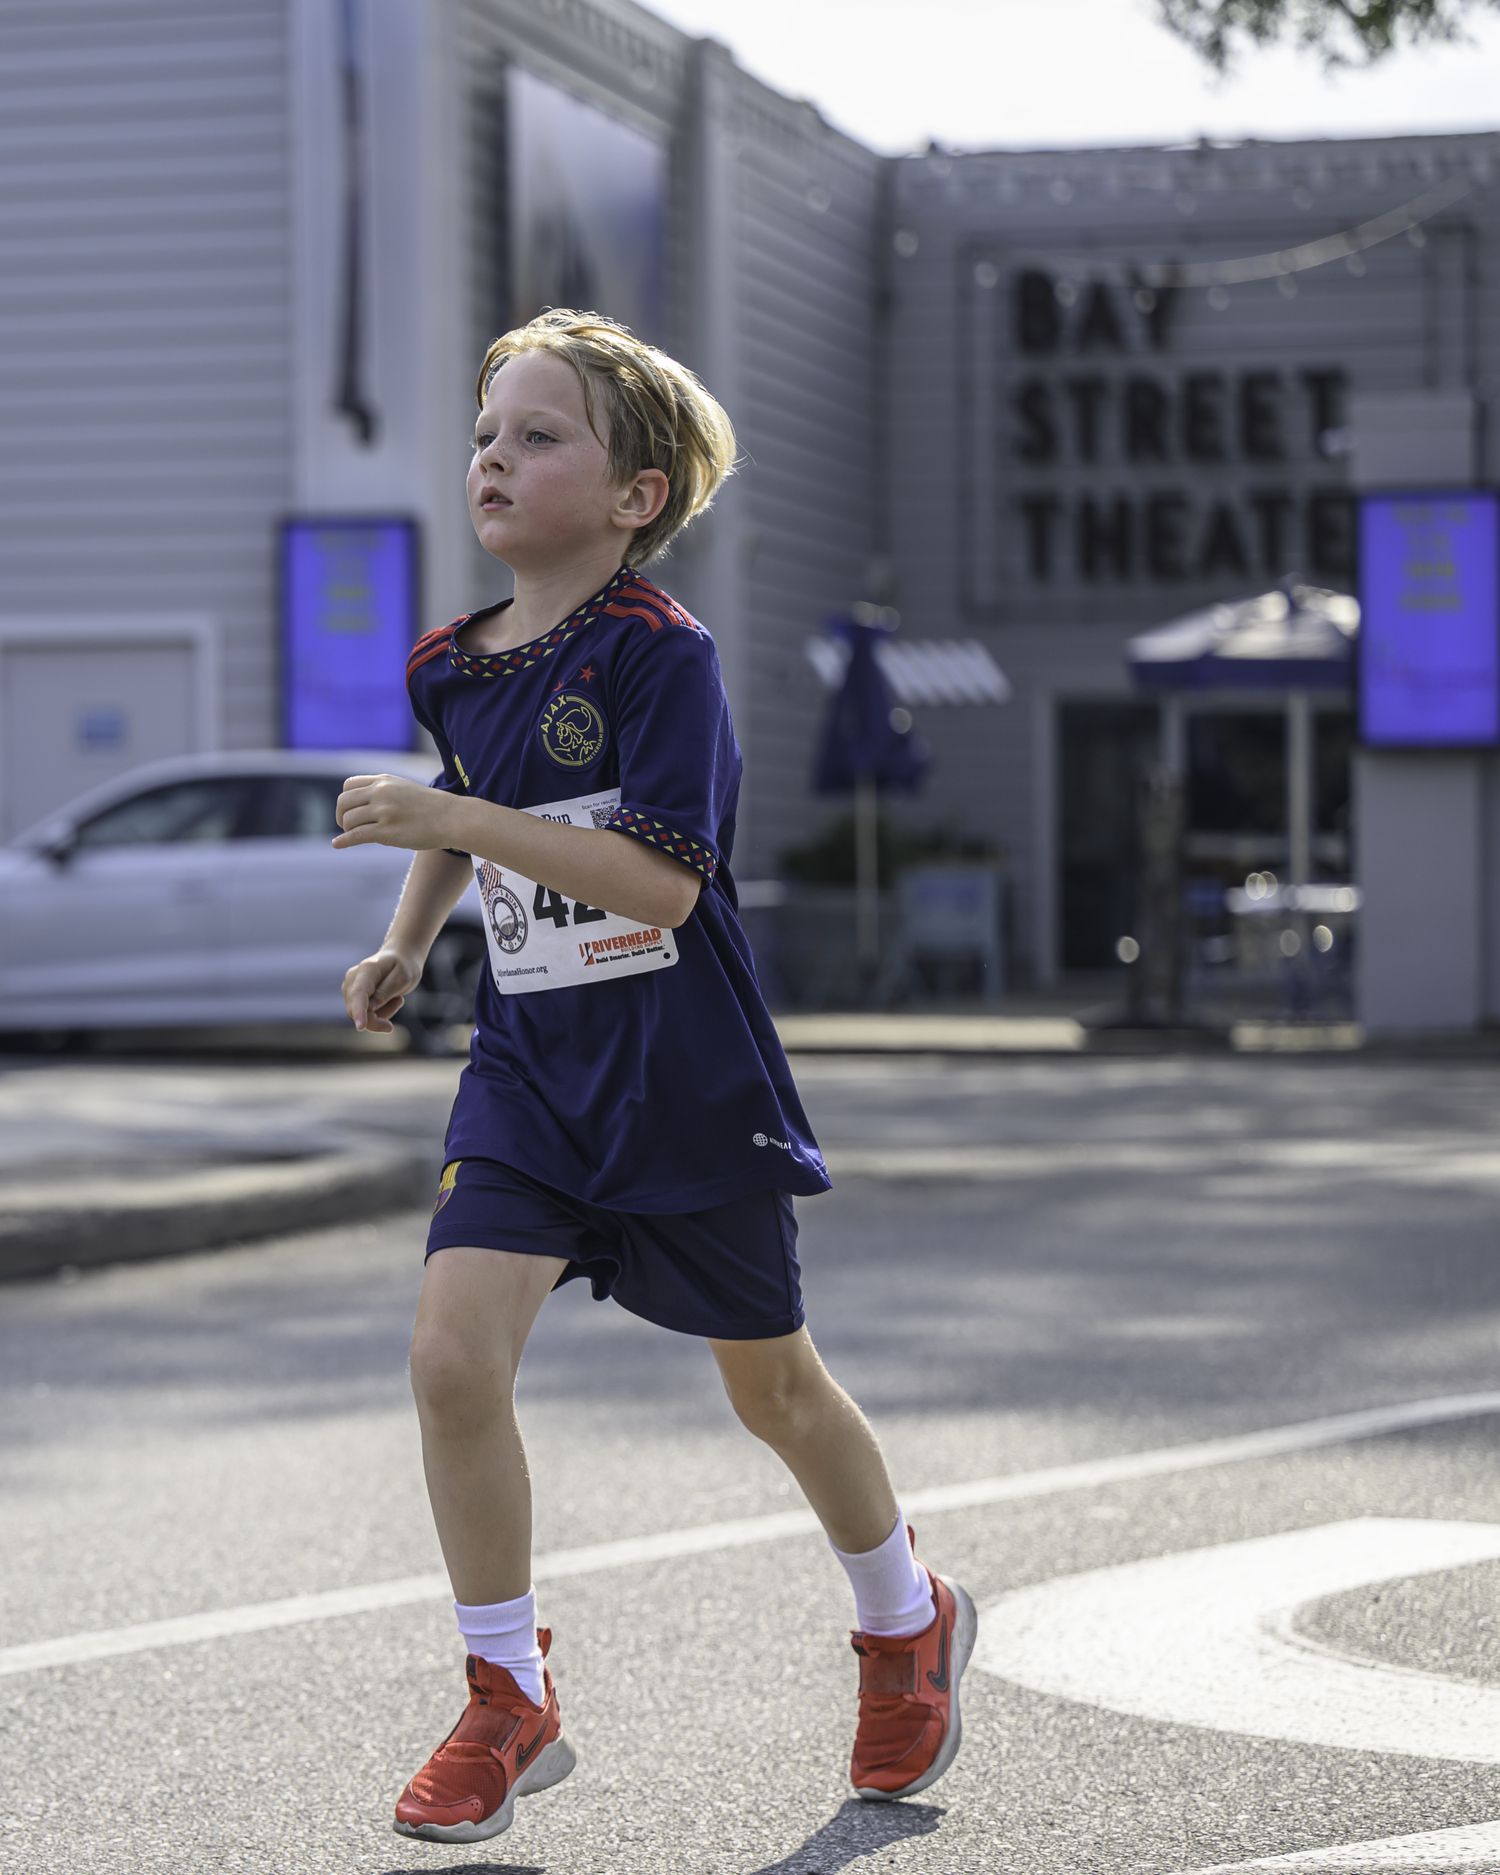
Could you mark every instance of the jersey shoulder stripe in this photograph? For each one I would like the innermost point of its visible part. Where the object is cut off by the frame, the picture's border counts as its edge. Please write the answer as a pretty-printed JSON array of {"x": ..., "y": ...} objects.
[
  {"x": 432, "y": 645},
  {"x": 641, "y": 598}
]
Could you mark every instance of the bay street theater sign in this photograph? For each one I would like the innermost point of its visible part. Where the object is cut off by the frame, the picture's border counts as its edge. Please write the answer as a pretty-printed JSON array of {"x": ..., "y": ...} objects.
[
  {"x": 1138, "y": 464},
  {"x": 1156, "y": 355}
]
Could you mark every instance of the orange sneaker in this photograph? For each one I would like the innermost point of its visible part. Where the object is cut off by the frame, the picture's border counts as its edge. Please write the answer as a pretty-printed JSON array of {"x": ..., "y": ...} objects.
[
  {"x": 502, "y": 1748},
  {"x": 909, "y": 1726}
]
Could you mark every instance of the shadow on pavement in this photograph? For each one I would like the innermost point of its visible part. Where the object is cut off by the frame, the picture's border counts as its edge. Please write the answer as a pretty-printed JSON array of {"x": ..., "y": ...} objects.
[
  {"x": 859, "y": 1829},
  {"x": 471, "y": 1868}
]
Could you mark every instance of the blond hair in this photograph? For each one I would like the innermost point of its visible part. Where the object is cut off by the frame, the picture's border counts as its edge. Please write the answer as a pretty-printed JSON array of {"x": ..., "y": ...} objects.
[{"x": 660, "y": 416}]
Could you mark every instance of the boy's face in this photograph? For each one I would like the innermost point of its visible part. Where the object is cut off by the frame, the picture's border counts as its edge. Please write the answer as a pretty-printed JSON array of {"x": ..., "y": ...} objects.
[{"x": 539, "y": 487}]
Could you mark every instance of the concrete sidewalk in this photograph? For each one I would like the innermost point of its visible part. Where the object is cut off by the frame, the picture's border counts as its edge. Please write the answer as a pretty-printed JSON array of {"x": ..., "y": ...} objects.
[{"x": 103, "y": 1160}]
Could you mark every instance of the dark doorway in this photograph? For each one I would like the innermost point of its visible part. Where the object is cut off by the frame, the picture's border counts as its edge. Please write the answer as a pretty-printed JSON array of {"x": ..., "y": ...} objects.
[
  {"x": 1333, "y": 751},
  {"x": 1237, "y": 772},
  {"x": 1102, "y": 749}
]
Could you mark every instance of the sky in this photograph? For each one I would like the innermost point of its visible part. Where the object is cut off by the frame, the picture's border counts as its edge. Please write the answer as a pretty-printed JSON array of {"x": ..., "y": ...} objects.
[{"x": 1027, "y": 74}]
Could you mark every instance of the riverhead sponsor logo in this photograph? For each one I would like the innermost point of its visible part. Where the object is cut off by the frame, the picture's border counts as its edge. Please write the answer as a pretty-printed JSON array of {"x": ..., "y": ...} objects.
[
  {"x": 647, "y": 942},
  {"x": 764, "y": 1139}
]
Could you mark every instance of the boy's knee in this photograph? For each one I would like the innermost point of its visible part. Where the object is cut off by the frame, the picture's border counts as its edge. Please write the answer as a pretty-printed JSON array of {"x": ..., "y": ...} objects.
[
  {"x": 777, "y": 1409},
  {"x": 449, "y": 1376}
]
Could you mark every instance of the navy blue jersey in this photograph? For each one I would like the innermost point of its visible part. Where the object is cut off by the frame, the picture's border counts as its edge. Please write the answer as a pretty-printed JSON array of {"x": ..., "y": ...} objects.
[{"x": 634, "y": 1067}]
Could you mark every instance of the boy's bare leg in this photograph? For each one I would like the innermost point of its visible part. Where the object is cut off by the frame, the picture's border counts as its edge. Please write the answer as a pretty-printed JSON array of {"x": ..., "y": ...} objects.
[
  {"x": 476, "y": 1310},
  {"x": 785, "y": 1395},
  {"x": 915, "y": 1630}
]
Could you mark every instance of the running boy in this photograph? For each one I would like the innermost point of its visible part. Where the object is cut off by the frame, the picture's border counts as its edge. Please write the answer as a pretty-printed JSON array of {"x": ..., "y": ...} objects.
[{"x": 627, "y": 1114}]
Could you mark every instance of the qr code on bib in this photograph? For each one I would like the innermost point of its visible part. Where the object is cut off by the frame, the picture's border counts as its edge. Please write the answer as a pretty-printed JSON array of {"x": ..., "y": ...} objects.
[{"x": 601, "y": 816}]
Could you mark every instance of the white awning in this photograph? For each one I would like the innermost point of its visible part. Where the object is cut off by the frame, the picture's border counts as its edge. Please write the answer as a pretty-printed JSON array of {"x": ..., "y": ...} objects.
[{"x": 921, "y": 671}]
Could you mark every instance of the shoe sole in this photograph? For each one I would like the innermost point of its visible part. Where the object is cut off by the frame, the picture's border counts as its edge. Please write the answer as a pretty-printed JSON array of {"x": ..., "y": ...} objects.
[
  {"x": 965, "y": 1633},
  {"x": 551, "y": 1767}
]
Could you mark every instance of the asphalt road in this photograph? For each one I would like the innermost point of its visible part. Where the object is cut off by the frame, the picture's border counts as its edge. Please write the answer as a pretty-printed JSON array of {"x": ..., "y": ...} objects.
[{"x": 1025, "y": 1267}]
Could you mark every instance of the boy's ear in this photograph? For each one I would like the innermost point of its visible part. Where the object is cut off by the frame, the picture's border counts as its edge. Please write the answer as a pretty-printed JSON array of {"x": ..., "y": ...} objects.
[{"x": 641, "y": 500}]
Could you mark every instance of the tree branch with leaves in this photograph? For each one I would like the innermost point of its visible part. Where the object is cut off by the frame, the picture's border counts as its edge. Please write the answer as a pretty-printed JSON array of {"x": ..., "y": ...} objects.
[{"x": 1342, "y": 32}]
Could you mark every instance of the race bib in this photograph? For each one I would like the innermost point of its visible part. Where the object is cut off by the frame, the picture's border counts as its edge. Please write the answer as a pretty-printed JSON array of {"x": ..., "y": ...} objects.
[{"x": 539, "y": 940}]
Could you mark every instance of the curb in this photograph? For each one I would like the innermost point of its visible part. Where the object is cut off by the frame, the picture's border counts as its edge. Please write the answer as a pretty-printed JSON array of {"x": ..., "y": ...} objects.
[
  {"x": 94, "y": 1221},
  {"x": 992, "y": 1037},
  {"x": 900, "y": 1034}
]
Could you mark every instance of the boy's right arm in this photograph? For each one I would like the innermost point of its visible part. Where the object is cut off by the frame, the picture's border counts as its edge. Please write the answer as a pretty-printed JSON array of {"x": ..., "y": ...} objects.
[{"x": 376, "y": 987}]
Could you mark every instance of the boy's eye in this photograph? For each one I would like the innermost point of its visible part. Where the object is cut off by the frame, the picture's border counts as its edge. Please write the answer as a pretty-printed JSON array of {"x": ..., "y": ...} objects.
[
  {"x": 481, "y": 441},
  {"x": 539, "y": 436}
]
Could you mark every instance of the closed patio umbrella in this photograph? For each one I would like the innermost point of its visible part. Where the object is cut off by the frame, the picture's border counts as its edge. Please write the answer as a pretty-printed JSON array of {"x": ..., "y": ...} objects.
[{"x": 863, "y": 749}]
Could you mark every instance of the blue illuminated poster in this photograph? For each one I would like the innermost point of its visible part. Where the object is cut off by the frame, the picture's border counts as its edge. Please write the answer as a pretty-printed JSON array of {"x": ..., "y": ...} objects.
[
  {"x": 349, "y": 600},
  {"x": 1429, "y": 635}
]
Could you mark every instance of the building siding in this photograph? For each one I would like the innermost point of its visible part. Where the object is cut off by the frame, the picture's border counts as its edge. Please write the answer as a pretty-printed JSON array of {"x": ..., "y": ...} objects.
[
  {"x": 145, "y": 363},
  {"x": 806, "y": 418}
]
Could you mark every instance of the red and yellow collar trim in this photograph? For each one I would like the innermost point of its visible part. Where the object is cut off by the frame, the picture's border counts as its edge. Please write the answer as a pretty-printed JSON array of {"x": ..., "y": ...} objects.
[{"x": 508, "y": 663}]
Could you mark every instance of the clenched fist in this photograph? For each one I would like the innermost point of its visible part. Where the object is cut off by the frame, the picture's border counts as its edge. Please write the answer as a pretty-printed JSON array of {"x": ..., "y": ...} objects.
[
  {"x": 376, "y": 987},
  {"x": 389, "y": 810}
]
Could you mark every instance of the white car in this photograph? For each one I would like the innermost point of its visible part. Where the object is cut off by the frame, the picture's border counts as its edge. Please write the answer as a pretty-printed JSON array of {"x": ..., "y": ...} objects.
[{"x": 204, "y": 890}]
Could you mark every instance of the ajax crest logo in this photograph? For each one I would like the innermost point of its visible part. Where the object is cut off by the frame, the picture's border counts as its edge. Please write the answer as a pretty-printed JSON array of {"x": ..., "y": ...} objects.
[
  {"x": 507, "y": 919},
  {"x": 573, "y": 730}
]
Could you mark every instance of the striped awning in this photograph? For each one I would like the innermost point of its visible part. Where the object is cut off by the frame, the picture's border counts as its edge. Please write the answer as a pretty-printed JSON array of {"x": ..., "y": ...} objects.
[{"x": 921, "y": 671}]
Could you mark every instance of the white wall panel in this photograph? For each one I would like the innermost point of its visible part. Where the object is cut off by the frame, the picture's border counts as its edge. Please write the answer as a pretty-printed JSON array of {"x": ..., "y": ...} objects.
[{"x": 144, "y": 318}]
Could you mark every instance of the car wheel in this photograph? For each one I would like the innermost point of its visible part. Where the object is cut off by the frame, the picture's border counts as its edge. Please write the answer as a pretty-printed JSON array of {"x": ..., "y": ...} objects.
[{"x": 445, "y": 996}]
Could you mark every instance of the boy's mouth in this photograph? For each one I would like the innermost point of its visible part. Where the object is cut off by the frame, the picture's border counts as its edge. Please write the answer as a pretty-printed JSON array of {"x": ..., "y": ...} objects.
[{"x": 492, "y": 498}]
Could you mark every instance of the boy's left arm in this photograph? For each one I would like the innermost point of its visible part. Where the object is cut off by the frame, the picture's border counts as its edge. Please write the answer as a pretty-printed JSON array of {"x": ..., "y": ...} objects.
[{"x": 600, "y": 867}]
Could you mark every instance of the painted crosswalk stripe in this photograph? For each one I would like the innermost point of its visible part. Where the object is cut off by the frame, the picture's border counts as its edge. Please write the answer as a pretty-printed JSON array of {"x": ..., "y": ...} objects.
[
  {"x": 1207, "y": 1638},
  {"x": 703, "y": 1539},
  {"x": 1469, "y": 1846}
]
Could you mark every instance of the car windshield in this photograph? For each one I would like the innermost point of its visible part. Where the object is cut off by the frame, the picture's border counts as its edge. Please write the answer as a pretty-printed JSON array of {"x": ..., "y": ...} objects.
[{"x": 208, "y": 809}]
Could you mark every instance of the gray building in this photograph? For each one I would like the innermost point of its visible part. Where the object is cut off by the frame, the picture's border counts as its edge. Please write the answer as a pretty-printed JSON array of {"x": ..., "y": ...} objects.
[
  {"x": 1039, "y": 400},
  {"x": 1080, "y": 449}
]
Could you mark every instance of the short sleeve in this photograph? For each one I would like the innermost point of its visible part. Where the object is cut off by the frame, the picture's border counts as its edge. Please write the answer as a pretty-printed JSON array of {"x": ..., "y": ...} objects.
[
  {"x": 450, "y": 780},
  {"x": 679, "y": 766}
]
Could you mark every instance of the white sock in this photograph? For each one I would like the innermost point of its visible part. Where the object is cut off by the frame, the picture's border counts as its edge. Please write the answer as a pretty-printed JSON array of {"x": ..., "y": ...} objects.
[
  {"x": 505, "y": 1634},
  {"x": 891, "y": 1592}
]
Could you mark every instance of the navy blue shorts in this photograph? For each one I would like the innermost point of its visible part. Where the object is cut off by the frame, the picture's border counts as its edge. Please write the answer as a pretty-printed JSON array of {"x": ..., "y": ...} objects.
[{"x": 729, "y": 1272}]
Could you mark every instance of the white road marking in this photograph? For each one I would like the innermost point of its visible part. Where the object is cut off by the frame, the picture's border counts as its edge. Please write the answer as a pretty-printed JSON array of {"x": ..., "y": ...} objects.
[
  {"x": 1305, "y": 1436},
  {"x": 217, "y": 1623},
  {"x": 701, "y": 1539},
  {"x": 1469, "y": 1846},
  {"x": 1205, "y": 1638}
]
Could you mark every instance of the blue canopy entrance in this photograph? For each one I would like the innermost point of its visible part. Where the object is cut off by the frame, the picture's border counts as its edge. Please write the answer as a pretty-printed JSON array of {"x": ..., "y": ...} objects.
[{"x": 1297, "y": 639}]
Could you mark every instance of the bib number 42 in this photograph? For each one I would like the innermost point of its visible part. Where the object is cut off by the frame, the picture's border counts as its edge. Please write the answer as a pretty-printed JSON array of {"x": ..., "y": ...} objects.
[{"x": 550, "y": 904}]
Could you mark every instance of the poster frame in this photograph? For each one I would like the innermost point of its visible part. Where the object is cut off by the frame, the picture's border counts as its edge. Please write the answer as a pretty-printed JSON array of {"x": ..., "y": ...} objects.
[
  {"x": 287, "y": 525},
  {"x": 1468, "y": 491}
]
